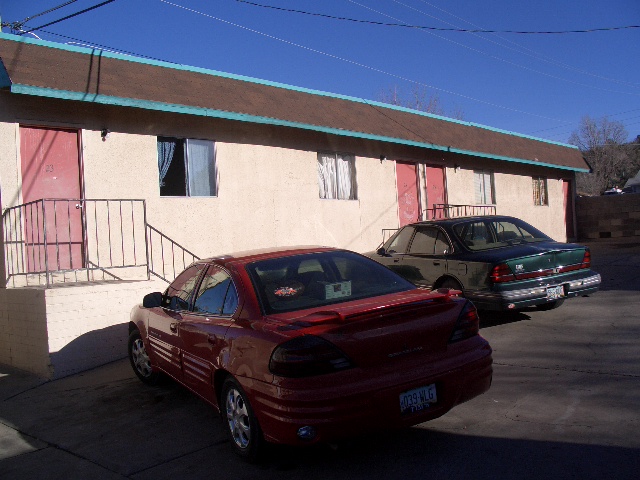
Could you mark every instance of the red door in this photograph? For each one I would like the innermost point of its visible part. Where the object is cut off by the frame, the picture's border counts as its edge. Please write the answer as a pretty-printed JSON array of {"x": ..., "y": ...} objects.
[
  {"x": 51, "y": 169},
  {"x": 568, "y": 209},
  {"x": 435, "y": 191},
  {"x": 408, "y": 202}
]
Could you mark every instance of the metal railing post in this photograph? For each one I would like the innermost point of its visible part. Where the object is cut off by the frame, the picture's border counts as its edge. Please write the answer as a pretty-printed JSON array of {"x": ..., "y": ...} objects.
[{"x": 147, "y": 238}]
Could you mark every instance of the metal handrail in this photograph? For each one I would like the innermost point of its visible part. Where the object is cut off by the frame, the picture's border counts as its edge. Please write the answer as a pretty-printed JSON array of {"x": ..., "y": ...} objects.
[
  {"x": 168, "y": 256},
  {"x": 447, "y": 210},
  {"x": 441, "y": 211},
  {"x": 71, "y": 240}
]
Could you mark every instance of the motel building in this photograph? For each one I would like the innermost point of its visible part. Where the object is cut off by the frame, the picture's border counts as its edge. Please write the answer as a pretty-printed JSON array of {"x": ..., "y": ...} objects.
[{"x": 117, "y": 171}]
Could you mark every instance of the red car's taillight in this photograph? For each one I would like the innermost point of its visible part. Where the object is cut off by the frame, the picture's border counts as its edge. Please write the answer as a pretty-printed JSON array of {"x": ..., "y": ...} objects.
[
  {"x": 468, "y": 324},
  {"x": 586, "y": 260},
  {"x": 501, "y": 273},
  {"x": 306, "y": 356}
]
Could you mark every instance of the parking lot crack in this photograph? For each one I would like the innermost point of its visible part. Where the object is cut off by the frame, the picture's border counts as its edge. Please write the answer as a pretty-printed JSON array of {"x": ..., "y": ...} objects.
[{"x": 568, "y": 369}]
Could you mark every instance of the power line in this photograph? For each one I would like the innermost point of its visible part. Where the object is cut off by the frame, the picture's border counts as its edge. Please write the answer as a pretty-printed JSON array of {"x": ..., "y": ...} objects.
[
  {"x": 107, "y": 48},
  {"x": 520, "y": 49},
  {"x": 353, "y": 62},
  {"x": 439, "y": 29},
  {"x": 17, "y": 26},
  {"x": 20, "y": 24},
  {"x": 68, "y": 16},
  {"x": 509, "y": 62}
]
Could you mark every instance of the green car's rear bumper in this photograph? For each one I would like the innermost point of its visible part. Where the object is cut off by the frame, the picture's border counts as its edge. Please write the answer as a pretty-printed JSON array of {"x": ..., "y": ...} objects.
[{"x": 518, "y": 295}]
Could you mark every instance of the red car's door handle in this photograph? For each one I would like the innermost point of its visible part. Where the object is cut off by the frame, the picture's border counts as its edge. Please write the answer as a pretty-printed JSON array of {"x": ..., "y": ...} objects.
[{"x": 173, "y": 327}]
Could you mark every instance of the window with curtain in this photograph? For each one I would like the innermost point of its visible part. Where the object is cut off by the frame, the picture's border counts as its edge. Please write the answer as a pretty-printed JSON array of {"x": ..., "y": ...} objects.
[
  {"x": 540, "y": 191},
  {"x": 187, "y": 167},
  {"x": 484, "y": 187},
  {"x": 337, "y": 176}
]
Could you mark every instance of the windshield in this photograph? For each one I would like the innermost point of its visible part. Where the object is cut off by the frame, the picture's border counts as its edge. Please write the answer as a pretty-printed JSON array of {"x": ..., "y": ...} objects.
[
  {"x": 318, "y": 279},
  {"x": 486, "y": 234}
]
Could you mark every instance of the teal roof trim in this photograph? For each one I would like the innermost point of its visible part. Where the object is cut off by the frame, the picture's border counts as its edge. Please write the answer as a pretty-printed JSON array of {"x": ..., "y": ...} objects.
[
  {"x": 5, "y": 81},
  {"x": 175, "y": 66},
  {"x": 205, "y": 112}
]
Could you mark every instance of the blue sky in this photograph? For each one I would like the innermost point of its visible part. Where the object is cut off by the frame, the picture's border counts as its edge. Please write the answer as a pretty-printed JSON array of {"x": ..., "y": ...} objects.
[{"x": 535, "y": 84}]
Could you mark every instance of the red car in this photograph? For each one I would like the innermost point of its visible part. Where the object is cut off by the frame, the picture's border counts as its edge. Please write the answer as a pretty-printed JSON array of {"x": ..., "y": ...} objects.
[{"x": 305, "y": 345}]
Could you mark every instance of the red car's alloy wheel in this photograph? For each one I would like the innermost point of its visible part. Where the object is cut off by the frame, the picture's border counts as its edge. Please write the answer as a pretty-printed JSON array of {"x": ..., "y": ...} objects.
[
  {"x": 241, "y": 422},
  {"x": 140, "y": 359}
]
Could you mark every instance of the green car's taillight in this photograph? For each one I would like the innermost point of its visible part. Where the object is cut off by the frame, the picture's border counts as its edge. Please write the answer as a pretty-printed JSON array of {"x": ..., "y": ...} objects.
[{"x": 501, "y": 273}]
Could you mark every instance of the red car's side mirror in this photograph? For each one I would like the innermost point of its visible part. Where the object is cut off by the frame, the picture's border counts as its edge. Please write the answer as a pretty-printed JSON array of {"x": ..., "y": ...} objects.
[{"x": 152, "y": 300}]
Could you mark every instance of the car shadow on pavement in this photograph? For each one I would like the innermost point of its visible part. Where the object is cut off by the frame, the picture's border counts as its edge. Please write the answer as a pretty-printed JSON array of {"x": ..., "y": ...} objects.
[
  {"x": 452, "y": 455},
  {"x": 105, "y": 424},
  {"x": 493, "y": 318}
]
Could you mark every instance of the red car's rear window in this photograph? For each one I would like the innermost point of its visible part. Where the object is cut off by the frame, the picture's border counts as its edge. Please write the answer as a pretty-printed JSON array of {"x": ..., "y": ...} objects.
[{"x": 316, "y": 279}]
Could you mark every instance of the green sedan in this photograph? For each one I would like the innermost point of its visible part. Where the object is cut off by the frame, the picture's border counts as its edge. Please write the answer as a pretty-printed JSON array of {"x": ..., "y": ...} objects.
[{"x": 498, "y": 262}]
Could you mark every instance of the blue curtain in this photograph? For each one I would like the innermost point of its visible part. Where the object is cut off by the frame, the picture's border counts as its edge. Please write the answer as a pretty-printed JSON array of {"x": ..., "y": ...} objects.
[{"x": 166, "y": 149}]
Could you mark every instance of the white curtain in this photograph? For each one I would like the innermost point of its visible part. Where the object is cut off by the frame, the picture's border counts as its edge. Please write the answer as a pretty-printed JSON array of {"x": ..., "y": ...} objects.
[
  {"x": 483, "y": 186},
  {"x": 201, "y": 168},
  {"x": 346, "y": 177},
  {"x": 539, "y": 191},
  {"x": 337, "y": 176}
]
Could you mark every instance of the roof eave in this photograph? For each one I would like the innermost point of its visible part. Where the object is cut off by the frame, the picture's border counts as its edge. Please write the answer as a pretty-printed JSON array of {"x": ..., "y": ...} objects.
[{"x": 206, "y": 112}]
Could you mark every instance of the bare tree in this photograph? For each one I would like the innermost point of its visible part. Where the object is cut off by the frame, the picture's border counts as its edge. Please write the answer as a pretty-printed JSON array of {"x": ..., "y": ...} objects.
[
  {"x": 604, "y": 145},
  {"x": 418, "y": 98}
]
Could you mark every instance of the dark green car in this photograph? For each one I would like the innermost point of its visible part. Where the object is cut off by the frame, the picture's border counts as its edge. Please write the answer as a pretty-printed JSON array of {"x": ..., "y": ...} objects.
[{"x": 498, "y": 262}]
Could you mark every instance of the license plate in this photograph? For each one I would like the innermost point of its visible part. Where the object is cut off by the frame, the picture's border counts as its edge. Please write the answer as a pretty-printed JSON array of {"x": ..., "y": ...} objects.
[
  {"x": 555, "y": 292},
  {"x": 418, "y": 399}
]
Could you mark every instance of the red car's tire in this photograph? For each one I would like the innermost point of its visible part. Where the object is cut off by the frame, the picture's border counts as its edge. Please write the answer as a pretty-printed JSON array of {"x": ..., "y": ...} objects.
[
  {"x": 140, "y": 359},
  {"x": 240, "y": 421}
]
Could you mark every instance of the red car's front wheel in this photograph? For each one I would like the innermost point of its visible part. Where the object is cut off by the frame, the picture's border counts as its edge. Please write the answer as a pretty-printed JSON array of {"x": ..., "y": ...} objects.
[{"x": 140, "y": 359}]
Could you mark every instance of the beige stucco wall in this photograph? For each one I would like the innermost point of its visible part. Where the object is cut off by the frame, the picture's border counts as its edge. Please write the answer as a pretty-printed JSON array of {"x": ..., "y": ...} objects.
[
  {"x": 9, "y": 179},
  {"x": 23, "y": 330},
  {"x": 9, "y": 165},
  {"x": 267, "y": 197},
  {"x": 66, "y": 329},
  {"x": 514, "y": 196}
]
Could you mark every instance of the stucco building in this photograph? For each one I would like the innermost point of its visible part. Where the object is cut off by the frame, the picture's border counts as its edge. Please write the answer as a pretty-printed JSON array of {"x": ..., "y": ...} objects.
[{"x": 159, "y": 163}]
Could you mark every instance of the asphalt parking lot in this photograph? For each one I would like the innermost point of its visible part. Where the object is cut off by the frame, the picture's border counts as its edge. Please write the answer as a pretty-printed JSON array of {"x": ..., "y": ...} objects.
[{"x": 564, "y": 404}]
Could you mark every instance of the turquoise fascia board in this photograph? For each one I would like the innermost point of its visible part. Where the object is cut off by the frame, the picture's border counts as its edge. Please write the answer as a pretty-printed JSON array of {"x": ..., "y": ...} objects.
[
  {"x": 5, "y": 81},
  {"x": 175, "y": 66},
  {"x": 206, "y": 112}
]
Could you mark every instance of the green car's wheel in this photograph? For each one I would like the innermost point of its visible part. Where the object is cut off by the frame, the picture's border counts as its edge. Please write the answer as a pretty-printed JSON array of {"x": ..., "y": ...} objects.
[{"x": 452, "y": 284}]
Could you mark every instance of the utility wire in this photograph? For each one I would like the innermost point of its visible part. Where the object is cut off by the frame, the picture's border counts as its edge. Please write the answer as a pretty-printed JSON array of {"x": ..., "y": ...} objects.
[
  {"x": 439, "y": 29},
  {"x": 68, "y": 16},
  {"x": 107, "y": 48},
  {"x": 17, "y": 26},
  {"x": 358, "y": 64},
  {"x": 606, "y": 115},
  {"x": 495, "y": 57},
  {"x": 48, "y": 11},
  {"x": 519, "y": 48}
]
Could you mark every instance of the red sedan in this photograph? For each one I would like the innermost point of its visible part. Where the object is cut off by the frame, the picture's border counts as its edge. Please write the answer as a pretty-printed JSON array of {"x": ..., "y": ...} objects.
[{"x": 306, "y": 345}]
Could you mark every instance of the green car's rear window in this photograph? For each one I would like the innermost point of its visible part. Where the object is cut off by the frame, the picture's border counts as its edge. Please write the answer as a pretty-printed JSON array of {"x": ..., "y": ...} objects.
[{"x": 486, "y": 234}]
